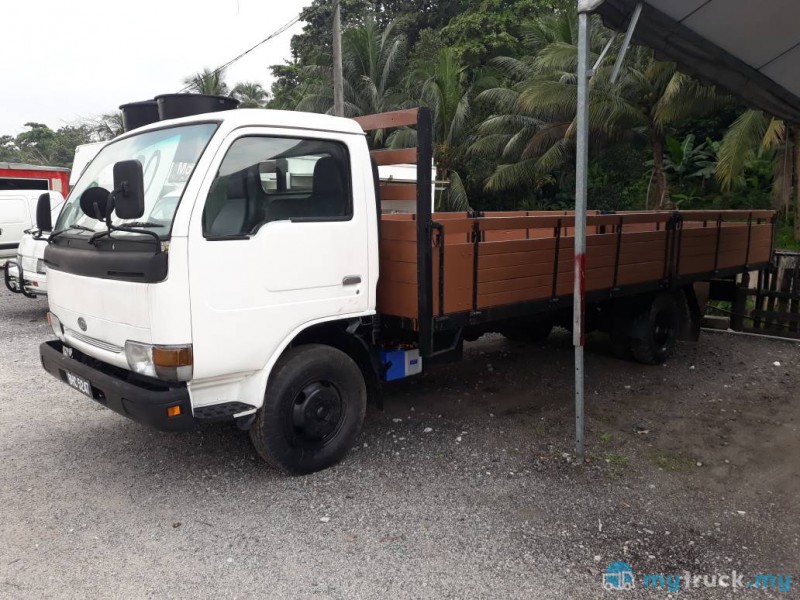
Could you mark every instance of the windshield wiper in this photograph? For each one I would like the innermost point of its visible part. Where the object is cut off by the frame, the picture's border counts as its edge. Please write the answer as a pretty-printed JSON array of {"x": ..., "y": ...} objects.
[
  {"x": 55, "y": 234},
  {"x": 130, "y": 228}
]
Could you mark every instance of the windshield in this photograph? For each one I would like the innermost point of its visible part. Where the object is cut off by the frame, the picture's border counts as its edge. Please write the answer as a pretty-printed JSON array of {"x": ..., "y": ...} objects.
[{"x": 168, "y": 157}]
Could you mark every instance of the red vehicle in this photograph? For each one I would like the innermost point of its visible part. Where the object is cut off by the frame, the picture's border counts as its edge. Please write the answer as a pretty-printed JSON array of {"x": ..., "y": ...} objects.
[{"x": 17, "y": 176}]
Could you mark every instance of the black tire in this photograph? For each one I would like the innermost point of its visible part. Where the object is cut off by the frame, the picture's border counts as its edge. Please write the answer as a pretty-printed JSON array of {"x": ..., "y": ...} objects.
[
  {"x": 528, "y": 331},
  {"x": 655, "y": 331},
  {"x": 313, "y": 410}
]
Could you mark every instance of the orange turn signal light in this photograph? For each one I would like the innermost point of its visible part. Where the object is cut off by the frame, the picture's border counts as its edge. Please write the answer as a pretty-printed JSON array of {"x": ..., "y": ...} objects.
[
  {"x": 174, "y": 411},
  {"x": 172, "y": 356}
]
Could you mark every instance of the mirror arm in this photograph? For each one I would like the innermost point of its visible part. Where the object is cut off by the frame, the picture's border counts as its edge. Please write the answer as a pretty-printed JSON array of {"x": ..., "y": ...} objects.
[{"x": 111, "y": 227}]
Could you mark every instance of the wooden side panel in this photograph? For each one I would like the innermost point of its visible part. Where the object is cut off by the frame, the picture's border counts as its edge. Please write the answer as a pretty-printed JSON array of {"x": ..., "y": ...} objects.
[
  {"x": 457, "y": 271},
  {"x": 517, "y": 255},
  {"x": 397, "y": 118},
  {"x": 395, "y": 157},
  {"x": 397, "y": 284}
]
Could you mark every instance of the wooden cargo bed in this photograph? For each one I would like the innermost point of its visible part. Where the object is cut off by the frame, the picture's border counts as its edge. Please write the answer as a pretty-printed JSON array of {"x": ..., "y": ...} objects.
[{"x": 497, "y": 259}]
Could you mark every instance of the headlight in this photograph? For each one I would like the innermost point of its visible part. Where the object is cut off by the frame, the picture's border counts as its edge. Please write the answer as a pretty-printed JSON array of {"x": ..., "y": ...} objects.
[
  {"x": 40, "y": 268},
  {"x": 170, "y": 363},
  {"x": 55, "y": 323}
]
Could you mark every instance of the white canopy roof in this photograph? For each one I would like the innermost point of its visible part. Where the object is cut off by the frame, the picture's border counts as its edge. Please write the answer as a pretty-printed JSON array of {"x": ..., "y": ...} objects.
[{"x": 749, "y": 47}]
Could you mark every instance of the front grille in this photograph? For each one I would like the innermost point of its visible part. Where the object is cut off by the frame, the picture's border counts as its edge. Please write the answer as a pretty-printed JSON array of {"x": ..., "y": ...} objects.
[{"x": 94, "y": 342}]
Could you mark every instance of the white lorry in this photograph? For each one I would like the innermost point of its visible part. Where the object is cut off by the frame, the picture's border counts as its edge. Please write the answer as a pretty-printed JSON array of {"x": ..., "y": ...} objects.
[{"x": 195, "y": 278}]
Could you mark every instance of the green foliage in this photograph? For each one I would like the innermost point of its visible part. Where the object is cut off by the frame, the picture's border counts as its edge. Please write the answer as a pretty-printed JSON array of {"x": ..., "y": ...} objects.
[
  {"x": 532, "y": 127},
  {"x": 250, "y": 94},
  {"x": 784, "y": 237},
  {"x": 41, "y": 145},
  {"x": 372, "y": 65},
  {"x": 687, "y": 159},
  {"x": 108, "y": 126},
  {"x": 207, "y": 81},
  {"x": 285, "y": 91}
]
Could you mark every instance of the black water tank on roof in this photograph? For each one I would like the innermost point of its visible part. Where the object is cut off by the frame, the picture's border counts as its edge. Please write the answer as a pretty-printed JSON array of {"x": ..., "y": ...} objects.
[
  {"x": 173, "y": 106},
  {"x": 139, "y": 114}
]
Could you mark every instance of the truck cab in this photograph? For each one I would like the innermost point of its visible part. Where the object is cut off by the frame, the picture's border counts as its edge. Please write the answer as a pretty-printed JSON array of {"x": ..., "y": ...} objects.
[{"x": 256, "y": 229}]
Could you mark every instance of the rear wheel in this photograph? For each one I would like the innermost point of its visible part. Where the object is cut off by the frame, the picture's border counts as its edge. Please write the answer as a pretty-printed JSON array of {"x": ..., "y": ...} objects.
[
  {"x": 655, "y": 331},
  {"x": 313, "y": 410}
]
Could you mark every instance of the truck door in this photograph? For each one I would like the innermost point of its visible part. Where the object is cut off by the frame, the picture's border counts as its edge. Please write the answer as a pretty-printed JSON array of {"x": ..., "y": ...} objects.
[{"x": 281, "y": 241}]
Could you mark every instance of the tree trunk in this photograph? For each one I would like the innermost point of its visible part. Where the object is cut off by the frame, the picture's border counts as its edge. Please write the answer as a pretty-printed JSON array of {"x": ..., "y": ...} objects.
[
  {"x": 659, "y": 174},
  {"x": 796, "y": 169}
]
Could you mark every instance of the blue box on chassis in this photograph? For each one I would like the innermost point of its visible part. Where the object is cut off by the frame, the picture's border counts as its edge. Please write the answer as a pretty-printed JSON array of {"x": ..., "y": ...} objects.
[{"x": 401, "y": 363}]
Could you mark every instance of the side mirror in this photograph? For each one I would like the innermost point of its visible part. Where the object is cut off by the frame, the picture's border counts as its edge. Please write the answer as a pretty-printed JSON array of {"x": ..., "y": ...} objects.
[
  {"x": 94, "y": 203},
  {"x": 44, "y": 221},
  {"x": 128, "y": 189}
]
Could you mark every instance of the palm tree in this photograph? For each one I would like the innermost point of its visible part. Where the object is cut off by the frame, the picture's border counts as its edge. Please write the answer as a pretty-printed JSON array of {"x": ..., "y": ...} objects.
[
  {"x": 446, "y": 87},
  {"x": 207, "y": 81},
  {"x": 753, "y": 133},
  {"x": 371, "y": 65},
  {"x": 108, "y": 125},
  {"x": 250, "y": 94},
  {"x": 533, "y": 125}
]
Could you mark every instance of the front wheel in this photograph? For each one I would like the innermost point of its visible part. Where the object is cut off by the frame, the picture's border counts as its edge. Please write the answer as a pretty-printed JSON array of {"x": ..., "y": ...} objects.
[{"x": 313, "y": 410}]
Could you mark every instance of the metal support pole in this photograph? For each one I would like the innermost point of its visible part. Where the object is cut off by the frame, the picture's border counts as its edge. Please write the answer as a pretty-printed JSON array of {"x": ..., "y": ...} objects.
[
  {"x": 581, "y": 184},
  {"x": 338, "y": 86},
  {"x": 623, "y": 51}
]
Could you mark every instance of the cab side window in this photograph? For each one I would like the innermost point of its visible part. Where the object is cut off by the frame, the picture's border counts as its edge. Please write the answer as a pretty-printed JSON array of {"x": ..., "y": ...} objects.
[{"x": 265, "y": 179}]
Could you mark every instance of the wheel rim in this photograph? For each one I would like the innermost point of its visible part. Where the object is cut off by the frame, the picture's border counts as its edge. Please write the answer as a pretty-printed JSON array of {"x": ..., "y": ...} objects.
[
  {"x": 663, "y": 328},
  {"x": 317, "y": 413}
]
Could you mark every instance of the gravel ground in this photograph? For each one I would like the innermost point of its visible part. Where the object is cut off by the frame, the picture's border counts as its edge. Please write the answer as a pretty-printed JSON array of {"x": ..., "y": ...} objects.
[{"x": 463, "y": 487}]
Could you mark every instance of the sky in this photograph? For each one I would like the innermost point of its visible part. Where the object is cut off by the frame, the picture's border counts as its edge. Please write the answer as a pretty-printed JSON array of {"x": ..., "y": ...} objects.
[{"x": 66, "y": 61}]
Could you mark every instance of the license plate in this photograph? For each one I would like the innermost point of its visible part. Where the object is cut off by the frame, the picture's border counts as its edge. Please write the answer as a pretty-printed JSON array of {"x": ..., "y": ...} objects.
[{"x": 79, "y": 383}]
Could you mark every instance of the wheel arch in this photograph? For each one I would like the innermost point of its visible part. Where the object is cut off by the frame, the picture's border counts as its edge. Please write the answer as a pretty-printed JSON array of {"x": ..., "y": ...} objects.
[{"x": 345, "y": 334}]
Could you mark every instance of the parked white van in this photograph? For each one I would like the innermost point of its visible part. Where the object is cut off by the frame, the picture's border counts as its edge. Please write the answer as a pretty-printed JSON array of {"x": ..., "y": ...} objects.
[
  {"x": 18, "y": 214},
  {"x": 30, "y": 251}
]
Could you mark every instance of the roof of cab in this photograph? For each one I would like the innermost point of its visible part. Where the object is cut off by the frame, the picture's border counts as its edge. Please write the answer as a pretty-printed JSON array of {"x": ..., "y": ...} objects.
[{"x": 243, "y": 117}]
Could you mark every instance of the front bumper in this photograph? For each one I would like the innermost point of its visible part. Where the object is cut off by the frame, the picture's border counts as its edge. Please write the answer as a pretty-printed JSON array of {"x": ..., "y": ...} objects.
[
  {"x": 144, "y": 401},
  {"x": 34, "y": 286},
  {"x": 11, "y": 276}
]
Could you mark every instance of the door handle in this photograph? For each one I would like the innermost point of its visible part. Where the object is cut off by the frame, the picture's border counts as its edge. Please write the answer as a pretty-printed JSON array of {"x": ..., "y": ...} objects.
[{"x": 351, "y": 280}]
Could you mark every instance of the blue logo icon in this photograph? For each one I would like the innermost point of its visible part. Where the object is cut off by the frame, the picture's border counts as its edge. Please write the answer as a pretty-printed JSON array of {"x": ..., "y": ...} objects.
[{"x": 618, "y": 576}]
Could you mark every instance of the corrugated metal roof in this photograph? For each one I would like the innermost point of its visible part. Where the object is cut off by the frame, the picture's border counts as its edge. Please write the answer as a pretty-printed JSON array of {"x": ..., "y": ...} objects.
[{"x": 751, "y": 48}]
